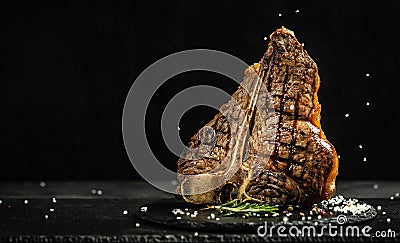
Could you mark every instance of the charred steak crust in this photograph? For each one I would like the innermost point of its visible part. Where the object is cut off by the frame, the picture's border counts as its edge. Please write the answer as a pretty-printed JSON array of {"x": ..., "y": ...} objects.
[{"x": 302, "y": 166}]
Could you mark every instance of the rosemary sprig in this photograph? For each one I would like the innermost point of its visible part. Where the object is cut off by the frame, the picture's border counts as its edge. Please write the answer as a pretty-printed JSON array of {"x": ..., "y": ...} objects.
[{"x": 244, "y": 207}]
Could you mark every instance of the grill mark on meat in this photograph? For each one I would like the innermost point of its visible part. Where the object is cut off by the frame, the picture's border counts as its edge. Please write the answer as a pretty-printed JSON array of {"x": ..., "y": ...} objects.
[
  {"x": 282, "y": 103},
  {"x": 293, "y": 133}
]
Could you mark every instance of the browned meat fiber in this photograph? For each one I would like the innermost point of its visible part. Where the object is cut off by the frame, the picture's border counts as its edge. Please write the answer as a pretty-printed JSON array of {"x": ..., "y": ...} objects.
[{"x": 276, "y": 156}]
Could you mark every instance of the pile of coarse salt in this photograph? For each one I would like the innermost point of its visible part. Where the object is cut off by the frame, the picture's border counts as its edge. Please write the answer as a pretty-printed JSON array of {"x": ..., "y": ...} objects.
[{"x": 340, "y": 204}]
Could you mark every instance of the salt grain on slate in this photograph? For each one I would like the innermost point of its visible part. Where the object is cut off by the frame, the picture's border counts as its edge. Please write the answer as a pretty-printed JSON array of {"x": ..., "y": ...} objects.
[
  {"x": 376, "y": 186},
  {"x": 99, "y": 192},
  {"x": 196, "y": 234},
  {"x": 367, "y": 104},
  {"x": 364, "y": 159},
  {"x": 1, "y": 201},
  {"x": 51, "y": 209},
  {"x": 93, "y": 191},
  {"x": 137, "y": 224},
  {"x": 279, "y": 15},
  {"x": 54, "y": 200},
  {"x": 347, "y": 115},
  {"x": 360, "y": 146},
  {"x": 397, "y": 194},
  {"x": 297, "y": 11},
  {"x": 388, "y": 220},
  {"x": 25, "y": 201},
  {"x": 125, "y": 212},
  {"x": 367, "y": 75},
  {"x": 265, "y": 38},
  {"x": 285, "y": 219},
  {"x": 42, "y": 184},
  {"x": 46, "y": 216}
]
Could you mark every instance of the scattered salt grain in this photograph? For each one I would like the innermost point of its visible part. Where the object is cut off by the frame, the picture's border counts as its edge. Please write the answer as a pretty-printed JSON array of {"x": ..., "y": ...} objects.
[
  {"x": 179, "y": 128},
  {"x": 212, "y": 216},
  {"x": 388, "y": 220},
  {"x": 208, "y": 217},
  {"x": 1, "y": 201},
  {"x": 360, "y": 146},
  {"x": 279, "y": 15},
  {"x": 367, "y": 104},
  {"x": 196, "y": 234},
  {"x": 54, "y": 200},
  {"x": 397, "y": 194},
  {"x": 319, "y": 217},
  {"x": 137, "y": 224},
  {"x": 379, "y": 207},
  {"x": 125, "y": 212},
  {"x": 365, "y": 159},
  {"x": 285, "y": 219},
  {"x": 46, "y": 216},
  {"x": 303, "y": 218},
  {"x": 93, "y": 191},
  {"x": 217, "y": 219},
  {"x": 26, "y": 201},
  {"x": 367, "y": 75},
  {"x": 143, "y": 209},
  {"x": 347, "y": 115},
  {"x": 376, "y": 186},
  {"x": 51, "y": 209},
  {"x": 174, "y": 182},
  {"x": 42, "y": 184},
  {"x": 265, "y": 38},
  {"x": 99, "y": 192},
  {"x": 391, "y": 198},
  {"x": 297, "y": 11},
  {"x": 178, "y": 217},
  {"x": 338, "y": 156},
  {"x": 302, "y": 44},
  {"x": 309, "y": 217},
  {"x": 383, "y": 213}
]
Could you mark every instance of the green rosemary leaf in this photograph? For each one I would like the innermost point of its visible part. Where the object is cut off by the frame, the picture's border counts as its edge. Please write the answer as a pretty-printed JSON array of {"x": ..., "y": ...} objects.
[{"x": 244, "y": 207}]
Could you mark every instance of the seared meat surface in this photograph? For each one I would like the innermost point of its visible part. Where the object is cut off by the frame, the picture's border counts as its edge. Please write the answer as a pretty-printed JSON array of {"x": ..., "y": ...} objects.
[{"x": 266, "y": 143}]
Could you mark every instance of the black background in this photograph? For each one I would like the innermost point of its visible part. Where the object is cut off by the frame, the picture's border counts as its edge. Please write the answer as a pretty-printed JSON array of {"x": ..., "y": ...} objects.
[{"x": 67, "y": 67}]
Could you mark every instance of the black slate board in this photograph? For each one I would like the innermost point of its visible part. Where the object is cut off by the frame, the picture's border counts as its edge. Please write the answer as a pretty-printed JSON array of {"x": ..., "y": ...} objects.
[{"x": 160, "y": 212}]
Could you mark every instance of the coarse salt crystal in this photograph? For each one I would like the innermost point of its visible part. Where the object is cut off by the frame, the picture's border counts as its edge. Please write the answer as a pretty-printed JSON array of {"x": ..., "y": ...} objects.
[
  {"x": 125, "y": 212},
  {"x": 137, "y": 224}
]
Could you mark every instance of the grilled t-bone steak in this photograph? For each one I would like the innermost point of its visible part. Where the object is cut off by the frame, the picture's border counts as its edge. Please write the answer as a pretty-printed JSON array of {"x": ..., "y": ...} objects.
[{"x": 277, "y": 156}]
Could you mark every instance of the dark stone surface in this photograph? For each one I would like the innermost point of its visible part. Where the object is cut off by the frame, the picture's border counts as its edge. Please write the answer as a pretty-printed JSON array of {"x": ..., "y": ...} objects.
[
  {"x": 160, "y": 212},
  {"x": 84, "y": 217}
]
